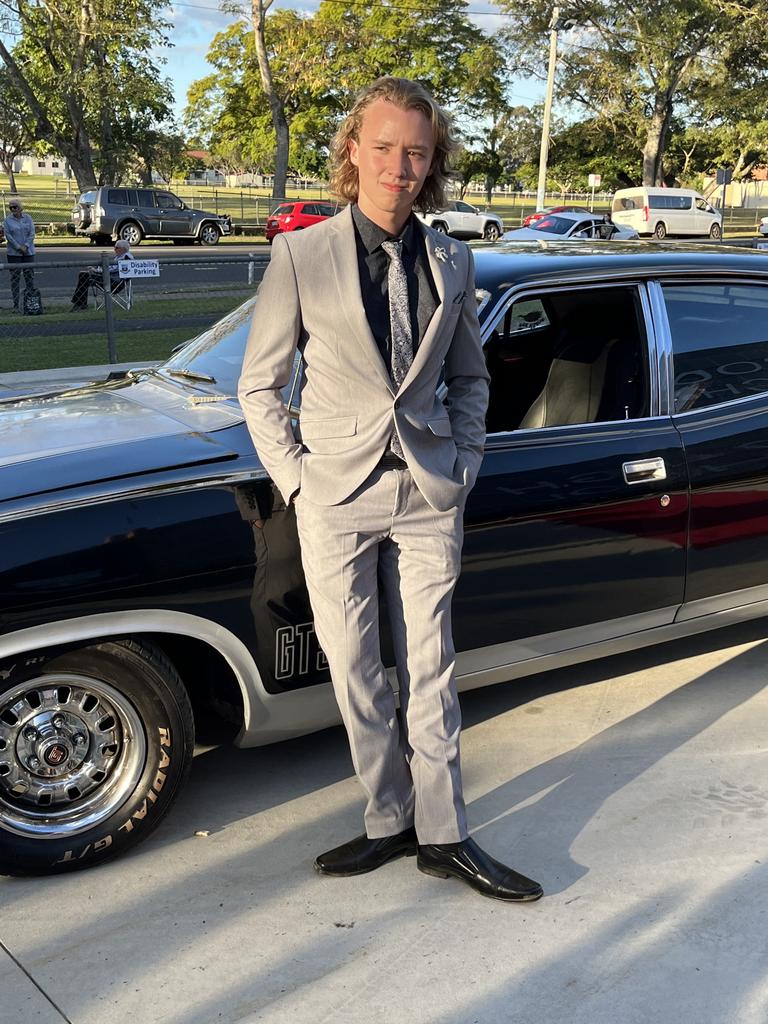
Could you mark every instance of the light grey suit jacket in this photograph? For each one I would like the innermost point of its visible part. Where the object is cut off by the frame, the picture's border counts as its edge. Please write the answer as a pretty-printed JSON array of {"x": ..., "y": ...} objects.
[{"x": 310, "y": 298}]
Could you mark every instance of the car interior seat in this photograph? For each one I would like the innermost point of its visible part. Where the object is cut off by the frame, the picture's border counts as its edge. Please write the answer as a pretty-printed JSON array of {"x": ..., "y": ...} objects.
[{"x": 593, "y": 375}]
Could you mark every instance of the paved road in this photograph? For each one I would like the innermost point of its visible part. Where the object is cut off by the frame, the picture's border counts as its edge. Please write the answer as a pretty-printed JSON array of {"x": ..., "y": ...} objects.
[
  {"x": 634, "y": 788},
  {"x": 196, "y": 270}
]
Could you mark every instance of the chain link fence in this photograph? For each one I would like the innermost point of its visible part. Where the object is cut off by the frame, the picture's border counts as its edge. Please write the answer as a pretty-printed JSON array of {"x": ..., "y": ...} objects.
[{"x": 141, "y": 321}]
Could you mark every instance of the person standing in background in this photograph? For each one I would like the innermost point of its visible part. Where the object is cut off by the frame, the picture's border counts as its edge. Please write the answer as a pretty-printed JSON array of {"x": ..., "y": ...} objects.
[{"x": 20, "y": 238}]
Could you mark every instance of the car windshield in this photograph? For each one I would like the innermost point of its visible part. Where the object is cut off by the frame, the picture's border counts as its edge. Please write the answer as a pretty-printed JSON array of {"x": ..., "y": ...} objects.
[
  {"x": 217, "y": 353},
  {"x": 553, "y": 225}
]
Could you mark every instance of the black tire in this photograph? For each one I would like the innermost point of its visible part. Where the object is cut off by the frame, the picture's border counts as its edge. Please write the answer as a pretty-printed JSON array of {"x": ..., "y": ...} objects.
[
  {"x": 209, "y": 234},
  {"x": 660, "y": 231},
  {"x": 716, "y": 232},
  {"x": 438, "y": 225},
  {"x": 491, "y": 232},
  {"x": 131, "y": 233},
  {"x": 102, "y": 737}
]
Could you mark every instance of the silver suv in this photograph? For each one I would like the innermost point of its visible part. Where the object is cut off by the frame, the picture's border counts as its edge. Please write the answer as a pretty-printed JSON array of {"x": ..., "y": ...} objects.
[
  {"x": 108, "y": 213},
  {"x": 464, "y": 221}
]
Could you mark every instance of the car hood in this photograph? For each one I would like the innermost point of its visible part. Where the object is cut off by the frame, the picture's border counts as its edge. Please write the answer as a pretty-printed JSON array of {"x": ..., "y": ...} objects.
[{"x": 105, "y": 431}]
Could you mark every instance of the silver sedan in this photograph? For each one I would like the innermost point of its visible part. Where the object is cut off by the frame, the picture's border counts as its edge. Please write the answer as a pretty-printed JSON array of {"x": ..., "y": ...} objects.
[{"x": 572, "y": 225}]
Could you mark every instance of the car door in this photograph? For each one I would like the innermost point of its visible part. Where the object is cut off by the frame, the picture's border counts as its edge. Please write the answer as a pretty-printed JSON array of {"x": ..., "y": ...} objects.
[
  {"x": 150, "y": 214},
  {"x": 717, "y": 335},
  {"x": 575, "y": 529},
  {"x": 470, "y": 221},
  {"x": 175, "y": 220}
]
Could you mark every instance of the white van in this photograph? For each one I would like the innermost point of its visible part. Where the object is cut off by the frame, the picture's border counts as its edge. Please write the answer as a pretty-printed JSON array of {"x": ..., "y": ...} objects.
[{"x": 666, "y": 211}]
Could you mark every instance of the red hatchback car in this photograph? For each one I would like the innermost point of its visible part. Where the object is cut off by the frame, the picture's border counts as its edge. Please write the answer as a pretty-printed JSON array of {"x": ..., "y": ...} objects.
[{"x": 298, "y": 215}]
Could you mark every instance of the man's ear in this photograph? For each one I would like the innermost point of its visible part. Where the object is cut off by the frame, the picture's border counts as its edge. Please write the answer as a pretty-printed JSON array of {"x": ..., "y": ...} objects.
[{"x": 353, "y": 149}]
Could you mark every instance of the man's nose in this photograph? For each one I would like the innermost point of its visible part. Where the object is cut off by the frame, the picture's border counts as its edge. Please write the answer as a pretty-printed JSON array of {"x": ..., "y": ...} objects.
[{"x": 401, "y": 164}]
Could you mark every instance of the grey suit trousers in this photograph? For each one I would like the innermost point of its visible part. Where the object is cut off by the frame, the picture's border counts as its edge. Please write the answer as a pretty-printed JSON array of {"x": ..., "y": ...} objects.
[{"x": 409, "y": 769}]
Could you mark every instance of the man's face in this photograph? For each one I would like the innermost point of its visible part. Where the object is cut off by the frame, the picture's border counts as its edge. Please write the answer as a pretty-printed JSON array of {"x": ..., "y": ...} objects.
[
  {"x": 15, "y": 209},
  {"x": 393, "y": 156}
]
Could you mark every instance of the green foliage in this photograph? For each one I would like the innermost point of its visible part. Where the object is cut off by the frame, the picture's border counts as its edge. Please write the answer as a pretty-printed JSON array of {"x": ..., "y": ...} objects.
[
  {"x": 629, "y": 64},
  {"x": 319, "y": 62},
  {"x": 90, "y": 83}
]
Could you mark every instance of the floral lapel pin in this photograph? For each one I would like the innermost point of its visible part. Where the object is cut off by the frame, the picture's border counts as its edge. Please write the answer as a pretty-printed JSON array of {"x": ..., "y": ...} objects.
[{"x": 442, "y": 255}]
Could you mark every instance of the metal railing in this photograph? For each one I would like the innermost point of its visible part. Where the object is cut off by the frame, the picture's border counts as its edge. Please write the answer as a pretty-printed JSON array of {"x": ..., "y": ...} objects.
[{"x": 190, "y": 294}]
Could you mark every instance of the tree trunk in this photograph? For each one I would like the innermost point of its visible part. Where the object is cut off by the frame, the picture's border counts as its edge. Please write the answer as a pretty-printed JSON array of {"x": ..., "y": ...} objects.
[
  {"x": 276, "y": 106},
  {"x": 656, "y": 140},
  {"x": 7, "y": 165}
]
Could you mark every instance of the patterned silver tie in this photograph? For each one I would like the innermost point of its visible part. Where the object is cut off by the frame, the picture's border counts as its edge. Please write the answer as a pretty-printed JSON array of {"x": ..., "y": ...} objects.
[{"x": 399, "y": 323}]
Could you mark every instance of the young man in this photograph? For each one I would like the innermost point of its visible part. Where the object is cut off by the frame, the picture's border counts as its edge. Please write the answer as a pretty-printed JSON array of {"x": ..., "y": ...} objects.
[
  {"x": 20, "y": 240},
  {"x": 380, "y": 307}
]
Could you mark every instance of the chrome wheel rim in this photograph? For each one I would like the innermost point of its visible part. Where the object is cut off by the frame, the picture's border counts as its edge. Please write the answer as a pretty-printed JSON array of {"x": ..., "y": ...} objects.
[
  {"x": 72, "y": 750},
  {"x": 208, "y": 235},
  {"x": 131, "y": 234},
  {"x": 492, "y": 233}
]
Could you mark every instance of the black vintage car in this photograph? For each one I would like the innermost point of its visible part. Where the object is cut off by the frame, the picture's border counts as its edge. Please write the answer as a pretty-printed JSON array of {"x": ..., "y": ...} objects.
[{"x": 151, "y": 574}]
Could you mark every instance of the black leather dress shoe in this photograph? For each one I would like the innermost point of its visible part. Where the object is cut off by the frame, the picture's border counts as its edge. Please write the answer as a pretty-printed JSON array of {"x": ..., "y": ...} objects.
[
  {"x": 479, "y": 870},
  {"x": 364, "y": 854}
]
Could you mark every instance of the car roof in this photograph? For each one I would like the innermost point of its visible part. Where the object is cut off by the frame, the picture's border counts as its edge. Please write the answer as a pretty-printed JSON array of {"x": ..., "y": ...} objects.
[
  {"x": 501, "y": 264},
  {"x": 573, "y": 215}
]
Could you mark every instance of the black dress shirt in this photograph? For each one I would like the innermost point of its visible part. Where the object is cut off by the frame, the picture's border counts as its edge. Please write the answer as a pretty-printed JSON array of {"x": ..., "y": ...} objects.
[{"x": 373, "y": 264}]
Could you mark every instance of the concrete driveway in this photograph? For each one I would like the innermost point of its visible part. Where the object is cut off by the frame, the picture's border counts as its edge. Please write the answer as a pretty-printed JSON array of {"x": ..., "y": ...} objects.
[{"x": 634, "y": 788}]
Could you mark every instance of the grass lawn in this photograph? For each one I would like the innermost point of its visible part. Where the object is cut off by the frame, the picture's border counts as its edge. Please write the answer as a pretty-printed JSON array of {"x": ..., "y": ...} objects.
[
  {"x": 23, "y": 349},
  {"x": 36, "y": 353},
  {"x": 157, "y": 307}
]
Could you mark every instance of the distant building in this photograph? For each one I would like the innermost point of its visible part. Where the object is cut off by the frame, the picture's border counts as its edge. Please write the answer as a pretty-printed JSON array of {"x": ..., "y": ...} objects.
[
  {"x": 55, "y": 165},
  {"x": 203, "y": 175}
]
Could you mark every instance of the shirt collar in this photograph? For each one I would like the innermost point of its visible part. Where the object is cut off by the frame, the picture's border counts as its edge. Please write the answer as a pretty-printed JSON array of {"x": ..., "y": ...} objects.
[{"x": 371, "y": 235}]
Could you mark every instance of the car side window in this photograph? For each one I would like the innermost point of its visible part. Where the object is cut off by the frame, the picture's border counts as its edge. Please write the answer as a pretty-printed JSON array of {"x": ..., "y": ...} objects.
[
  {"x": 464, "y": 208},
  {"x": 311, "y": 210},
  {"x": 118, "y": 196},
  {"x": 568, "y": 357},
  {"x": 168, "y": 200},
  {"x": 719, "y": 342},
  {"x": 146, "y": 197}
]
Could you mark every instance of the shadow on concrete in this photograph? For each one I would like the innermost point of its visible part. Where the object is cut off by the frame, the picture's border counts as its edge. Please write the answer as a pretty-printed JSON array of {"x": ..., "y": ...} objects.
[{"x": 230, "y": 786}]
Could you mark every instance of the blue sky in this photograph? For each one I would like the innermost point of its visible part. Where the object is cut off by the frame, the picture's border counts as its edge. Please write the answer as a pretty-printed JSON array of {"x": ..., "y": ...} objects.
[{"x": 196, "y": 22}]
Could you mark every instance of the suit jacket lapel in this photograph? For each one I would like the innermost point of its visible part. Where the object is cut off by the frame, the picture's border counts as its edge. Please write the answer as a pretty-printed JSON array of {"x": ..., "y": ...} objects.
[{"x": 350, "y": 299}]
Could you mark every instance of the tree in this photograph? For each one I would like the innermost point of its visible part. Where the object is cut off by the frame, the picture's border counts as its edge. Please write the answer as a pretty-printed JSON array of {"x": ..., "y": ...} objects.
[
  {"x": 15, "y": 136},
  {"x": 83, "y": 70},
  {"x": 635, "y": 60},
  {"x": 318, "y": 63},
  {"x": 276, "y": 101},
  {"x": 231, "y": 113}
]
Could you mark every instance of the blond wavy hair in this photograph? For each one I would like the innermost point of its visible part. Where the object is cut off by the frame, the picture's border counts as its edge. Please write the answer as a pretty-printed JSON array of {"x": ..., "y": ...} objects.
[{"x": 407, "y": 95}]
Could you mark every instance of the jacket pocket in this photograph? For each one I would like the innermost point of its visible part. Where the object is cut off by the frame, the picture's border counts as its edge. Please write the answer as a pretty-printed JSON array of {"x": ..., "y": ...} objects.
[
  {"x": 441, "y": 427},
  {"x": 335, "y": 426}
]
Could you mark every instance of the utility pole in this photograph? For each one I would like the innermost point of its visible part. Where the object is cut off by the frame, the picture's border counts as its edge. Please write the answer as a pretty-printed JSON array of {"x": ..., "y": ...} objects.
[
  {"x": 544, "y": 151},
  {"x": 554, "y": 24}
]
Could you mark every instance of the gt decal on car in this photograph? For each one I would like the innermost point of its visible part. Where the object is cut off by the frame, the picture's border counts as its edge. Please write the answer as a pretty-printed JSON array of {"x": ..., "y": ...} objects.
[{"x": 297, "y": 651}]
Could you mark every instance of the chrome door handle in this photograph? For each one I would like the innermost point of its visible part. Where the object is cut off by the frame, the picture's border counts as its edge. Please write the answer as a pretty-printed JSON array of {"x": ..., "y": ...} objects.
[{"x": 643, "y": 470}]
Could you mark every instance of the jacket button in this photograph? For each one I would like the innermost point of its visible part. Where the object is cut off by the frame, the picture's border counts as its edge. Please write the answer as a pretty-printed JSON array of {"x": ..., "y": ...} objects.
[{"x": 397, "y": 403}]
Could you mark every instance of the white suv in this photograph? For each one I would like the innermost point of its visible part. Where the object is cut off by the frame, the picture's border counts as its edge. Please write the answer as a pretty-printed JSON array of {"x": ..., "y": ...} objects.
[{"x": 464, "y": 221}]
